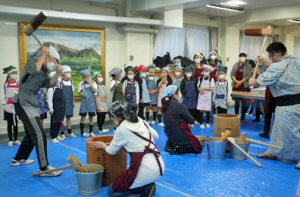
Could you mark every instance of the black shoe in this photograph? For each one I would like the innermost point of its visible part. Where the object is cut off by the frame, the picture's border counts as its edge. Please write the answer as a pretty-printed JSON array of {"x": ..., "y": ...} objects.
[
  {"x": 168, "y": 147},
  {"x": 227, "y": 151},
  {"x": 149, "y": 190},
  {"x": 256, "y": 120},
  {"x": 242, "y": 118},
  {"x": 264, "y": 135}
]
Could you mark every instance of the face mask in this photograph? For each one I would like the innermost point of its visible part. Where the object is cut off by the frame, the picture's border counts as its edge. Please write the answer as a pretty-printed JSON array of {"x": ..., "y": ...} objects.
[
  {"x": 213, "y": 57},
  {"x": 144, "y": 75},
  {"x": 188, "y": 75},
  {"x": 221, "y": 76},
  {"x": 68, "y": 76},
  {"x": 130, "y": 76},
  {"x": 59, "y": 80},
  {"x": 13, "y": 77},
  {"x": 179, "y": 96},
  {"x": 197, "y": 61},
  {"x": 178, "y": 74},
  {"x": 50, "y": 66},
  {"x": 242, "y": 59},
  {"x": 100, "y": 80},
  {"x": 206, "y": 74},
  {"x": 260, "y": 64}
]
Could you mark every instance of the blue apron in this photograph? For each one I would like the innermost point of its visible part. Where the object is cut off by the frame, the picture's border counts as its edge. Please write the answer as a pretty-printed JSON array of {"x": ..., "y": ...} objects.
[
  {"x": 59, "y": 105},
  {"x": 68, "y": 96},
  {"x": 151, "y": 84},
  {"x": 146, "y": 96},
  {"x": 190, "y": 99},
  {"x": 88, "y": 100}
]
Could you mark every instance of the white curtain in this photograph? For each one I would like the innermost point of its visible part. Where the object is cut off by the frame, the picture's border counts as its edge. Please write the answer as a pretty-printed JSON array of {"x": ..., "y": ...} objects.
[
  {"x": 185, "y": 42},
  {"x": 297, "y": 47},
  {"x": 213, "y": 38},
  {"x": 252, "y": 45},
  {"x": 169, "y": 40},
  {"x": 197, "y": 38}
]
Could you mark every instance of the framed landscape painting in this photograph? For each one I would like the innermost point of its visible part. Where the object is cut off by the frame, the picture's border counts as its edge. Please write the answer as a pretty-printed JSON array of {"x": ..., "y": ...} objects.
[{"x": 79, "y": 48}]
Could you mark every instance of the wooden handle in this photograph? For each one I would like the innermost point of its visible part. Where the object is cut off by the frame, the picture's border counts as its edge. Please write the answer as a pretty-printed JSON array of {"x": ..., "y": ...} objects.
[
  {"x": 243, "y": 137},
  {"x": 243, "y": 151},
  {"x": 224, "y": 136},
  {"x": 76, "y": 164},
  {"x": 261, "y": 51},
  {"x": 55, "y": 169},
  {"x": 257, "y": 142},
  {"x": 41, "y": 44}
]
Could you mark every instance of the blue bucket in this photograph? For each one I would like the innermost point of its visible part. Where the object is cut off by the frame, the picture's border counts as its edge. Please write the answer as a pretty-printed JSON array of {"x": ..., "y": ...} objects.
[{"x": 216, "y": 150}]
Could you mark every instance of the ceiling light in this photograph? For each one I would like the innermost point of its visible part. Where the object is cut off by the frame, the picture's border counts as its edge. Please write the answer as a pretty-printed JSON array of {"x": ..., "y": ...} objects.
[
  {"x": 223, "y": 8},
  {"x": 236, "y": 2},
  {"x": 294, "y": 21}
]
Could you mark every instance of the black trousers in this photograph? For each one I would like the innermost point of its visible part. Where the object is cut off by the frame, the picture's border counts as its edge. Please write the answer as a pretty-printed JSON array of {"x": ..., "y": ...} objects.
[
  {"x": 201, "y": 117},
  {"x": 100, "y": 121},
  {"x": 10, "y": 125},
  {"x": 54, "y": 128},
  {"x": 237, "y": 106},
  {"x": 35, "y": 136},
  {"x": 141, "y": 110},
  {"x": 221, "y": 110},
  {"x": 192, "y": 112}
]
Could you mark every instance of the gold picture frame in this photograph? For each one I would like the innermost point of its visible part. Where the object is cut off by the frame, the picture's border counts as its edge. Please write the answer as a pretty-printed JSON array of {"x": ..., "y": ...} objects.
[{"x": 67, "y": 29}]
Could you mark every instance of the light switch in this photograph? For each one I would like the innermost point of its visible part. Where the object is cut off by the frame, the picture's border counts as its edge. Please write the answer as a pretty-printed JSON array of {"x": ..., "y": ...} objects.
[
  {"x": 227, "y": 59},
  {"x": 131, "y": 57}
]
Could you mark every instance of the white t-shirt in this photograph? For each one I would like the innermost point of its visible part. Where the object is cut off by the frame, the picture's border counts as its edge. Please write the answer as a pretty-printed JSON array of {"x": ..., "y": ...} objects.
[
  {"x": 212, "y": 83},
  {"x": 69, "y": 83},
  {"x": 86, "y": 85},
  {"x": 50, "y": 94},
  {"x": 149, "y": 169}
]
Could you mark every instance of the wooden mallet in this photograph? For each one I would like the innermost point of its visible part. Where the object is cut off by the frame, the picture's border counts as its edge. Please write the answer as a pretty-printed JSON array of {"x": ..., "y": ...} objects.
[
  {"x": 269, "y": 32},
  {"x": 33, "y": 25},
  {"x": 54, "y": 169}
]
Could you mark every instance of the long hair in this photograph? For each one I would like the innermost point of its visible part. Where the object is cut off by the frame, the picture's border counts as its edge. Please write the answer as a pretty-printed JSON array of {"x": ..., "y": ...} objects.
[{"x": 166, "y": 103}]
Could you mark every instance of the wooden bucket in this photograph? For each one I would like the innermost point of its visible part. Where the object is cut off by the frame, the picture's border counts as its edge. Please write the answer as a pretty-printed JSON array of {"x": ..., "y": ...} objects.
[
  {"x": 114, "y": 165},
  {"x": 223, "y": 122}
]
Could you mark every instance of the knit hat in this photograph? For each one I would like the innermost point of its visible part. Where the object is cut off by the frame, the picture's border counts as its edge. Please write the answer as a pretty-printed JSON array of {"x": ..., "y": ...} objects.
[
  {"x": 85, "y": 72},
  {"x": 67, "y": 69},
  {"x": 9, "y": 69},
  {"x": 54, "y": 53}
]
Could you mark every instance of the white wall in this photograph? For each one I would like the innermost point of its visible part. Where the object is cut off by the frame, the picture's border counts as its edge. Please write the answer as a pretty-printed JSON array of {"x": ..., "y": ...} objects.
[{"x": 118, "y": 45}]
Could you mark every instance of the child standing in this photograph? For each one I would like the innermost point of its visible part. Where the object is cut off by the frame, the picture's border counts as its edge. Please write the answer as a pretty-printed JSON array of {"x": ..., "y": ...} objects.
[
  {"x": 188, "y": 89},
  {"x": 222, "y": 93},
  {"x": 205, "y": 85},
  {"x": 145, "y": 94},
  {"x": 101, "y": 105},
  {"x": 69, "y": 99},
  {"x": 57, "y": 107},
  {"x": 43, "y": 105},
  {"x": 178, "y": 79},
  {"x": 88, "y": 90},
  {"x": 116, "y": 88},
  {"x": 131, "y": 89},
  {"x": 152, "y": 89},
  {"x": 162, "y": 84},
  {"x": 8, "y": 90}
]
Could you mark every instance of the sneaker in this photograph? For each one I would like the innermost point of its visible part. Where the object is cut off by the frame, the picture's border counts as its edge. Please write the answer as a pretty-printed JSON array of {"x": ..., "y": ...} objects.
[
  {"x": 59, "y": 138},
  {"x": 17, "y": 142},
  {"x": 63, "y": 136},
  {"x": 104, "y": 131},
  {"x": 207, "y": 126},
  {"x": 72, "y": 135},
  {"x": 15, "y": 162},
  {"x": 202, "y": 126},
  {"x": 152, "y": 123},
  {"x": 54, "y": 140},
  {"x": 85, "y": 135},
  {"x": 251, "y": 114},
  {"x": 148, "y": 121},
  {"x": 161, "y": 124},
  {"x": 10, "y": 143},
  {"x": 92, "y": 134},
  {"x": 247, "y": 114},
  {"x": 51, "y": 174}
]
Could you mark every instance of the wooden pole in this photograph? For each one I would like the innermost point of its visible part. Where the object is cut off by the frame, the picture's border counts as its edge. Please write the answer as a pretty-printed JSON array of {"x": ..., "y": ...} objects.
[{"x": 257, "y": 142}]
